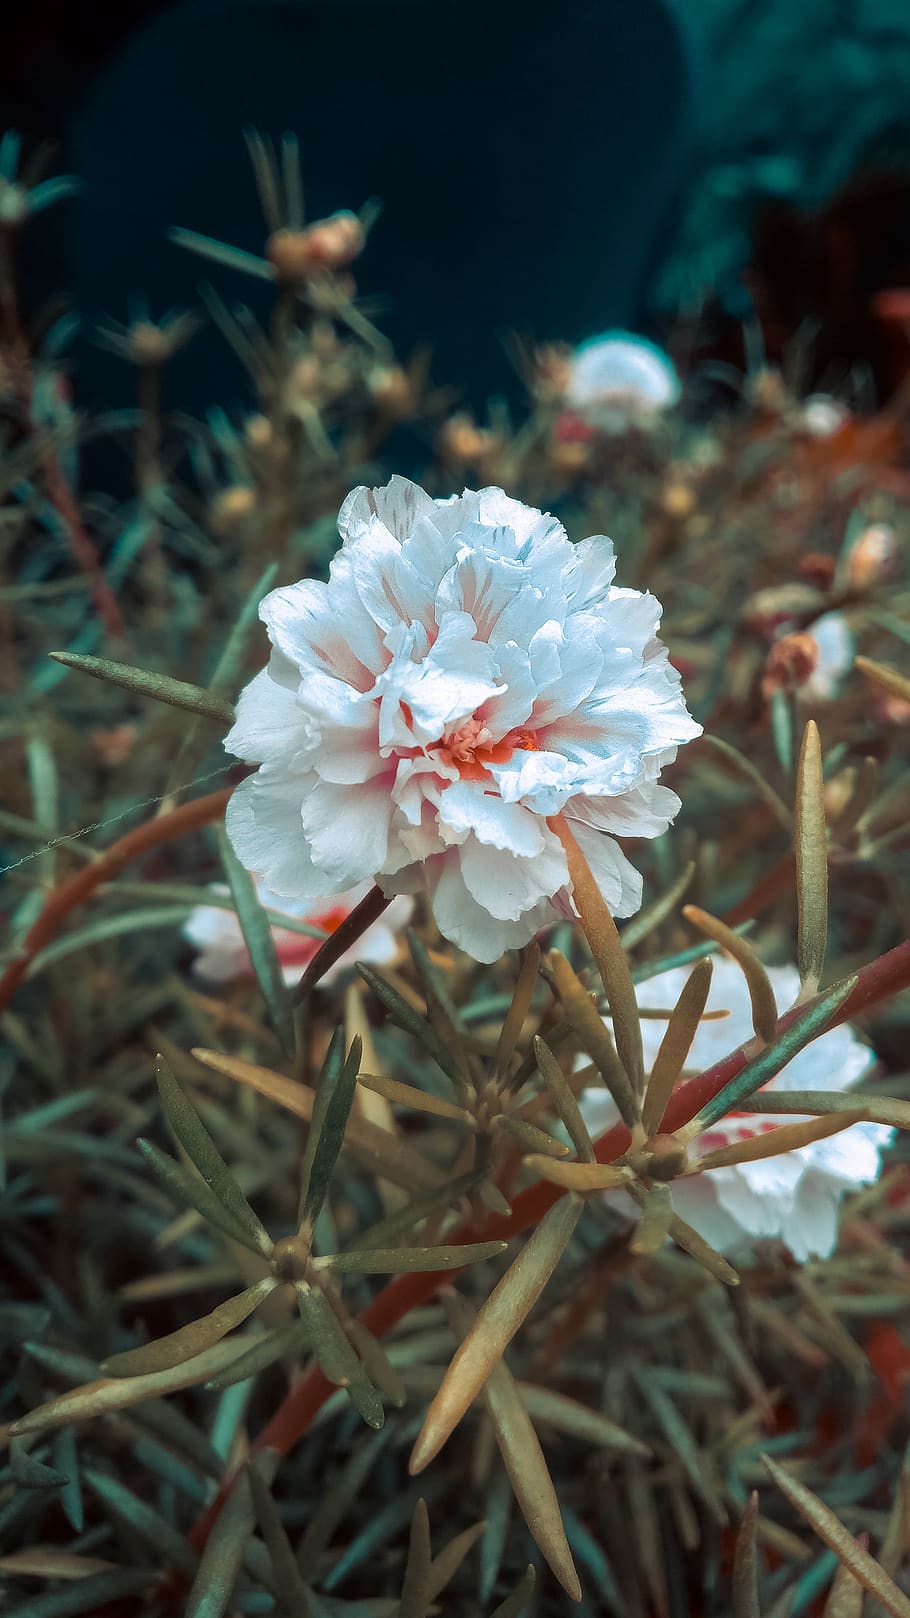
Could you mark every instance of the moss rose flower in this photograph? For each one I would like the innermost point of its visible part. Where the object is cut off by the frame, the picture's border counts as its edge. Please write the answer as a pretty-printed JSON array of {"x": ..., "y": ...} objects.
[{"x": 465, "y": 673}]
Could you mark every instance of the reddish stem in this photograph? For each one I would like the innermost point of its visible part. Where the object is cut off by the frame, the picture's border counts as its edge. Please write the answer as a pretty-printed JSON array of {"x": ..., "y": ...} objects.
[
  {"x": 79, "y": 887},
  {"x": 876, "y": 982}
]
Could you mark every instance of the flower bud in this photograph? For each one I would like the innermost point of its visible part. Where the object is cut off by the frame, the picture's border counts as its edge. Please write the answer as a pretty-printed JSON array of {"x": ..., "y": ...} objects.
[
  {"x": 872, "y": 557},
  {"x": 791, "y": 661},
  {"x": 336, "y": 241},
  {"x": 291, "y": 255},
  {"x": 231, "y": 509}
]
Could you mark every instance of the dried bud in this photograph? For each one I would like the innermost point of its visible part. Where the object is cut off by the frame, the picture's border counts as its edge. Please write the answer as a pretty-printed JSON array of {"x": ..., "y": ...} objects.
[
  {"x": 150, "y": 344},
  {"x": 791, "y": 661},
  {"x": 392, "y": 392},
  {"x": 465, "y": 444},
  {"x": 678, "y": 501},
  {"x": 232, "y": 508},
  {"x": 570, "y": 456},
  {"x": 552, "y": 371},
  {"x": 305, "y": 376},
  {"x": 872, "y": 557},
  {"x": 258, "y": 433},
  {"x": 336, "y": 241},
  {"x": 291, "y": 255}
]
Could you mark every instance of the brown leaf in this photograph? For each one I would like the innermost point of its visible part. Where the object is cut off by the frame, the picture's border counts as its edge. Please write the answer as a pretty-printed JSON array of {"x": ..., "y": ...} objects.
[{"x": 832, "y": 1533}]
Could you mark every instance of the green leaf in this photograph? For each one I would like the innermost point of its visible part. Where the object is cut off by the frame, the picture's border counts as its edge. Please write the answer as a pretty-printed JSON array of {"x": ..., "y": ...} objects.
[
  {"x": 497, "y": 1322},
  {"x": 189, "y": 1341},
  {"x": 188, "y": 1190},
  {"x": 653, "y": 1228},
  {"x": 334, "y": 1098},
  {"x": 652, "y": 915},
  {"x": 517, "y": 1602},
  {"x": 408, "y": 1019},
  {"x": 761, "y": 994},
  {"x": 676, "y": 1044},
  {"x": 145, "y": 683},
  {"x": 401, "y": 1260},
  {"x": 257, "y": 935},
  {"x": 811, "y": 863},
  {"x": 289, "y": 1586},
  {"x": 594, "y": 1036},
  {"x": 832, "y": 1533},
  {"x": 415, "y": 1591},
  {"x": 88, "y": 1596},
  {"x": 272, "y": 1346},
  {"x": 222, "y": 1558},
  {"x": 859, "y": 1106},
  {"x": 769, "y": 1063},
  {"x": 519, "y": 1006},
  {"x": 30, "y": 1473},
  {"x": 693, "y": 1461},
  {"x": 205, "y": 1156},
  {"x": 336, "y": 1357},
  {"x": 155, "y": 1530},
  {"x": 524, "y": 1461},
  {"x": 745, "y": 1565},
  {"x": 564, "y": 1100},
  {"x": 578, "y": 1420}
]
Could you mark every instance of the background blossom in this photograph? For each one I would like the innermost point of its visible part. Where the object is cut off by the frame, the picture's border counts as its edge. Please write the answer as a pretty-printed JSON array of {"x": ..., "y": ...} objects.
[
  {"x": 793, "y": 1197},
  {"x": 223, "y": 954},
  {"x": 466, "y": 673},
  {"x": 618, "y": 379}
]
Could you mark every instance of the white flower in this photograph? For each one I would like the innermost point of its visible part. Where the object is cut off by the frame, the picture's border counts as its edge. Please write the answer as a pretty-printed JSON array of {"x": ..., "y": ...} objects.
[
  {"x": 465, "y": 673},
  {"x": 793, "y": 1197},
  {"x": 821, "y": 416},
  {"x": 619, "y": 378},
  {"x": 836, "y": 651},
  {"x": 223, "y": 954}
]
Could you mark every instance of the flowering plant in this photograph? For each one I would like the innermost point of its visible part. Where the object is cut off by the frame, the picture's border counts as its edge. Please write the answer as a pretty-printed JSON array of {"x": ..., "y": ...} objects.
[
  {"x": 793, "y": 1196},
  {"x": 465, "y": 674}
]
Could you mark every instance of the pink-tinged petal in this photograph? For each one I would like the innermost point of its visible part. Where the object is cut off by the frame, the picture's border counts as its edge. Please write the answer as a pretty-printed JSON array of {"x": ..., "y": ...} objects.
[
  {"x": 347, "y": 831},
  {"x": 512, "y": 705},
  {"x": 467, "y": 808},
  {"x": 398, "y": 504},
  {"x": 811, "y": 1231},
  {"x": 591, "y": 572},
  {"x": 618, "y": 881},
  {"x": 470, "y": 924},
  {"x": 509, "y": 886},
  {"x": 264, "y": 826},
  {"x": 566, "y": 670},
  {"x": 490, "y": 589},
  {"x": 216, "y": 934},
  {"x": 271, "y": 723},
  {"x": 454, "y": 678},
  {"x": 319, "y": 626},
  {"x": 646, "y": 811}
]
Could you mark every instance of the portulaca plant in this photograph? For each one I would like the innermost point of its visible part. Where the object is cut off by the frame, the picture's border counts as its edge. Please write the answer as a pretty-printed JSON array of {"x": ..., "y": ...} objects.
[
  {"x": 792, "y": 1197},
  {"x": 466, "y": 674}
]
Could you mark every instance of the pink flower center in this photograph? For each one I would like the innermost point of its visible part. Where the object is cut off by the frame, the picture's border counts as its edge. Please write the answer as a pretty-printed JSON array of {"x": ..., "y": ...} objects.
[
  {"x": 471, "y": 748},
  {"x": 296, "y": 950}
]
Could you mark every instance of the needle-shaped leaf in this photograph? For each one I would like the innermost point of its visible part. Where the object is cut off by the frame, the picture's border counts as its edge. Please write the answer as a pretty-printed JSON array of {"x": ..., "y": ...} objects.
[
  {"x": 408, "y": 1019},
  {"x": 399, "y": 1260},
  {"x": 855, "y": 1106},
  {"x": 408, "y": 1095},
  {"x": 125, "y": 1506},
  {"x": 761, "y": 994},
  {"x": 886, "y": 678},
  {"x": 811, "y": 863},
  {"x": 336, "y": 1357},
  {"x": 529, "y": 1137},
  {"x": 271, "y": 1347},
  {"x": 342, "y": 940},
  {"x": 497, "y": 1322},
  {"x": 772, "y": 1059},
  {"x": 524, "y": 1461},
  {"x": 651, "y": 916},
  {"x": 145, "y": 683},
  {"x": 514, "y": 1020},
  {"x": 745, "y": 1564},
  {"x": 609, "y": 956},
  {"x": 564, "y": 1100},
  {"x": 578, "y": 1177},
  {"x": 196, "y": 1141},
  {"x": 221, "y": 1561},
  {"x": 516, "y": 1603},
  {"x": 260, "y": 942},
  {"x": 375, "y": 1148},
  {"x": 415, "y": 1591},
  {"x": 189, "y": 1190},
  {"x": 786, "y": 1138},
  {"x": 188, "y": 1341},
  {"x": 676, "y": 1044},
  {"x": 334, "y": 1098},
  {"x": 594, "y": 1036},
  {"x": 289, "y": 1585},
  {"x": 832, "y": 1533}
]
